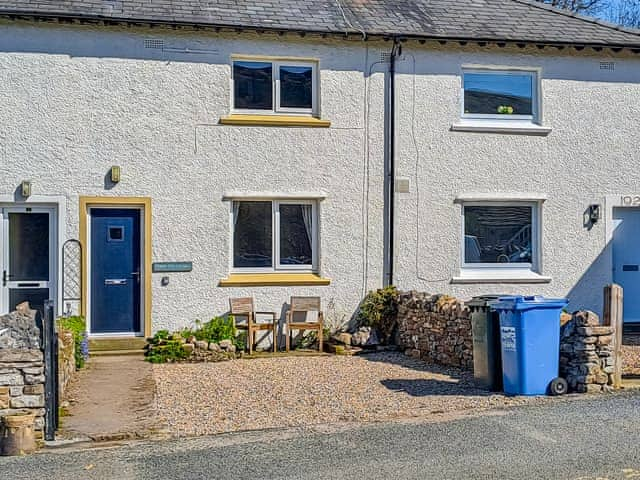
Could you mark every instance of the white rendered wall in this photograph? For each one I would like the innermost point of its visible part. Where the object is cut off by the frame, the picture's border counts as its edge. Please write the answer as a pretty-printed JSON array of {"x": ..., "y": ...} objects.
[
  {"x": 76, "y": 100},
  {"x": 592, "y": 151}
]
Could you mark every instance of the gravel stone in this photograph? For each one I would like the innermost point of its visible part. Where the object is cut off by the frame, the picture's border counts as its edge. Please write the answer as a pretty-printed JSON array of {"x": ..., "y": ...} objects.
[
  {"x": 298, "y": 391},
  {"x": 630, "y": 352}
]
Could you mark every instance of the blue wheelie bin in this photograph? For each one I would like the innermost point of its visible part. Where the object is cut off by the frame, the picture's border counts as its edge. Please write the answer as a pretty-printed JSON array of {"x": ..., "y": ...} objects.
[{"x": 530, "y": 344}]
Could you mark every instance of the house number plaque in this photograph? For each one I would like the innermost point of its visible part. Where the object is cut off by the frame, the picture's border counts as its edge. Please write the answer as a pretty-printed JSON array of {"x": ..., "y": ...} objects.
[{"x": 630, "y": 200}]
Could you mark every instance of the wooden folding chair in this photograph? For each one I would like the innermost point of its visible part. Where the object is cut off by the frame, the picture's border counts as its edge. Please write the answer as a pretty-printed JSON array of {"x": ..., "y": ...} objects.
[
  {"x": 244, "y": 307},
  {"x": 303, "y": 306}
]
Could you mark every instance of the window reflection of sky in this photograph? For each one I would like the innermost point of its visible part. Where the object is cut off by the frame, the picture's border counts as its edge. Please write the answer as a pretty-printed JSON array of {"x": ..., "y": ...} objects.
[
  {"x": 298, "y": 70},
  {"x": 253, "y": 65},
  {"x": 516, "y": 85}
]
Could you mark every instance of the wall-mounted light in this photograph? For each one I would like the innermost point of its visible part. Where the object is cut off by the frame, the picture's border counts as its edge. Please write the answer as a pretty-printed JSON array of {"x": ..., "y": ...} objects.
[
  {"x": 25, "y": 188},
  {"x": 115, "y": 173},
  {"x": 591, "y": 215}
]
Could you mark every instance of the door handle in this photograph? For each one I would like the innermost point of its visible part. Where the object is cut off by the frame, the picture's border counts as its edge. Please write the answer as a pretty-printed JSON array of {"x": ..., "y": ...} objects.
[
  {"x": 115, "y": 281},
  {"x": 137, "y": 276}
]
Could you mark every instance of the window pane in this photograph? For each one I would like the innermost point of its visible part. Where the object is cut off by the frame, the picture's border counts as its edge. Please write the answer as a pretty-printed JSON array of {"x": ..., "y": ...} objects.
[
  {"x": 295, "y": 234},
  {"x": 296, "y": 87},
  {"x": 498, "y": 94},
  {"x": 253, "y": 85},
  {"x": 252, "y": 234},
  {"x": 497, "y": 234},
  {"x": 29, "y": 247}
]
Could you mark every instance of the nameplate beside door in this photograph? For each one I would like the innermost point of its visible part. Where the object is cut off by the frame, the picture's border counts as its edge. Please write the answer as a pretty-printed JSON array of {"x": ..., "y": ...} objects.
[{"x": 166, "y": 267}]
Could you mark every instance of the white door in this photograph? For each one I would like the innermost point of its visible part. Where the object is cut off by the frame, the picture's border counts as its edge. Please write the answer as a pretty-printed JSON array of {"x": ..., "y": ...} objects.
[
  {"x": 27, "y": 258},
  {"x": 626, "y": 259}
]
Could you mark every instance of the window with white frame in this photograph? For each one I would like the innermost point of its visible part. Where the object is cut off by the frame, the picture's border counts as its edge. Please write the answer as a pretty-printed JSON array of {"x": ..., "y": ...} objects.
[
  {"x": 500, "y": 235},
  {"x": 272, "y": 87},
  {"x": 274, "y": 235},
  {"x": 500, "y": 94}
]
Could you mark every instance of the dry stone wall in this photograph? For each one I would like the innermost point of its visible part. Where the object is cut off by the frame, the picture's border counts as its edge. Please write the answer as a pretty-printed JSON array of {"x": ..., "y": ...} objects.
[
  {"x": 21, "y": 365},
  {"x": 66, "y": 360},
  {"x": 587, "y": 353},
  {"x": 435, "y": 328}
]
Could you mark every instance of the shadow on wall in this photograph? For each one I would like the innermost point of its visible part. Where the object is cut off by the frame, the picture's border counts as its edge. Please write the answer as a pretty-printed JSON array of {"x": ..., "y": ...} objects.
[{"x": 587, "y": 293}]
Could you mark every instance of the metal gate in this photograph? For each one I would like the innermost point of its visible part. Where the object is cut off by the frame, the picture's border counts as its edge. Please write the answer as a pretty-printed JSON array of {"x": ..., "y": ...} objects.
[{"x": 50, "y": 350}]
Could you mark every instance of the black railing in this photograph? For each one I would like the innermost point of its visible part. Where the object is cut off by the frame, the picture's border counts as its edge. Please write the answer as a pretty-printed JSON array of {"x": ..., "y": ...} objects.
[{"x": 50, "y": 348}]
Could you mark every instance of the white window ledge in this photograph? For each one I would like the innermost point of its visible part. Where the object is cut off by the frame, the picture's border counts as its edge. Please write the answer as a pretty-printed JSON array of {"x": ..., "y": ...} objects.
[
  {"x": 500, "y": 197},
  {"x": 500, "y": 126},
  {"x": 494, "y": 276},
  {"x": 226, "y": 196}
]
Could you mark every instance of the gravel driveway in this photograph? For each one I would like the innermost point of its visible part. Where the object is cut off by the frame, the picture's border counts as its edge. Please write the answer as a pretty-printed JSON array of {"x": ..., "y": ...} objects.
[
  {"x": 631, "y": 355},
  {"x": 209, "y": 398}
]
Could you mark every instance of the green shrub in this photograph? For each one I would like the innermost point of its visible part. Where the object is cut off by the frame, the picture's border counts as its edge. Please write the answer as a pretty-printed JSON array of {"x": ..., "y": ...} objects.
[
  {"x": 379, "y": 310},
  {"x": 215, "y": 330},
  {"x": 164, "y": 347},
  {"x": 240, "y": 341},
  {"x": 169, "y": 347},
  {"x": 78, "y": 327}
]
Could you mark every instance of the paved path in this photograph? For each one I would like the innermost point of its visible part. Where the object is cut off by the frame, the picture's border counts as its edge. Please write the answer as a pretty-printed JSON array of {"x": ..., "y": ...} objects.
[
  {"x": 586, "y": 439},
  {"x": 113, "y": 397}
]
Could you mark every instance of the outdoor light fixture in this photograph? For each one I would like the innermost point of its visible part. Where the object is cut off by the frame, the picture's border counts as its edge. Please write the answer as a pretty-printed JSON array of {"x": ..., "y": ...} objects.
[
  {"x": 592, "y": 214},
  {"x": 115, "y": 174},
  {"x": 25, "y": 188}
]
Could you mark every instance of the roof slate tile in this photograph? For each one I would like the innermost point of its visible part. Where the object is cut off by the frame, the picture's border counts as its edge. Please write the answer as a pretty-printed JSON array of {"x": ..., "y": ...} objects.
[{"x": 500, "y": 20}]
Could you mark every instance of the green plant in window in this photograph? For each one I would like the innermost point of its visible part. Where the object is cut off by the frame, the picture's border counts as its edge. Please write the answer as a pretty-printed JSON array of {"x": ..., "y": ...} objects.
[{"x": 505, "y": 110}]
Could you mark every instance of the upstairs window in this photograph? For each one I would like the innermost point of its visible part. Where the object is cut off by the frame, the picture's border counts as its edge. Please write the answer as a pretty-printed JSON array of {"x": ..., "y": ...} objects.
[
  {"x": 274, "y": 87},
  {"x": 500, "y": 94}
]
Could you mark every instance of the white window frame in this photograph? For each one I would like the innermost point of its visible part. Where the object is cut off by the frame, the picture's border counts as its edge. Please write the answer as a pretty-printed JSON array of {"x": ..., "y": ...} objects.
[
  {"x": 536, "y": 108},
  {"x": 275, "y": 238},
  {"x": 500, "y": 269},
  {"x": 275, "y": 90}
]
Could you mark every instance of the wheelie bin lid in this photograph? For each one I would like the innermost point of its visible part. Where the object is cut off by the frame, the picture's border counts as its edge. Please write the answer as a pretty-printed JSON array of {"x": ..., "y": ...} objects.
[
  {"x": 520, "y": 302},
  {"x": 484, "y": 300}
]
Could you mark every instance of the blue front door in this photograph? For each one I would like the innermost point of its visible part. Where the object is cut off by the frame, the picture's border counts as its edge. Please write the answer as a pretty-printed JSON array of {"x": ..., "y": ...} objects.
[
  {"x": 115, "y": 270},
  {"x": 626, "y": 260}
]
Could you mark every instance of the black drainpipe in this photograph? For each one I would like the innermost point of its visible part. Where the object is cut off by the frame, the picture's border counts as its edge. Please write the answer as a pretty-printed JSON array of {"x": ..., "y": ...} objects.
[{"x": 390, "y": 165}]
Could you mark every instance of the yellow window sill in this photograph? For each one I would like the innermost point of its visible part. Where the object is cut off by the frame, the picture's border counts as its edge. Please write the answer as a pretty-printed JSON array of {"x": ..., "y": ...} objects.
[
  {"x": 272, "y": 279},
  {"x": 275, "y": 121}
]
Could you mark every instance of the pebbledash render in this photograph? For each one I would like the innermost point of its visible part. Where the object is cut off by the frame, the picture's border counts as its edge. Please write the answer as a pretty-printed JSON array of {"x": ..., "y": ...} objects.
[{"x": 211, "y": 161}]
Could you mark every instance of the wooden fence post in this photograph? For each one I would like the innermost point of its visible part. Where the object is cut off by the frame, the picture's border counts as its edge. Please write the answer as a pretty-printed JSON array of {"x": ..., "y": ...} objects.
[{"x": 613, "y": 296}]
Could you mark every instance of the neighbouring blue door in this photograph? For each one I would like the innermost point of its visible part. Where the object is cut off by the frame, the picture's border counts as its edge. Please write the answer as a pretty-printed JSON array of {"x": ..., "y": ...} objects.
[
  {"x": 115, "y": 270},
  {"x": 626, "y": 260}
]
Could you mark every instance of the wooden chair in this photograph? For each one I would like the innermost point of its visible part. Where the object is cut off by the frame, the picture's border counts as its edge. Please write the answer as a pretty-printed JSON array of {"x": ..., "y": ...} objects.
[
  {"x": 244, "y": 307},
  {"x": 304, "y": 305}
]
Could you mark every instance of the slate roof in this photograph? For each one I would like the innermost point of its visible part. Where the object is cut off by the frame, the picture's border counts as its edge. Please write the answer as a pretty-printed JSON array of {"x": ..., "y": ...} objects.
[{"x": 477, "y": 20}]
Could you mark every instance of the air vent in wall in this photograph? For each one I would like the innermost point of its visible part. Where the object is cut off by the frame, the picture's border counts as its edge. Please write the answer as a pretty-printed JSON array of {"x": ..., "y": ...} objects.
[
  {"x": 607, "y": 66},
  {"x": 154, "y": 43}
]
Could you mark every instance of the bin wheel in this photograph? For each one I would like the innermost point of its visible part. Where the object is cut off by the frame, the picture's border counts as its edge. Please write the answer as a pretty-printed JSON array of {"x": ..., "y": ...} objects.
[{"x": 559, "y": 386}]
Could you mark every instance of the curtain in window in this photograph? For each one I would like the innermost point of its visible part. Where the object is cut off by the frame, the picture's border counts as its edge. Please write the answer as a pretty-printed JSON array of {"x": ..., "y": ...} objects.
[
  {"x": 236, "y": 209},
  {"x": 307, "y": 216}
]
